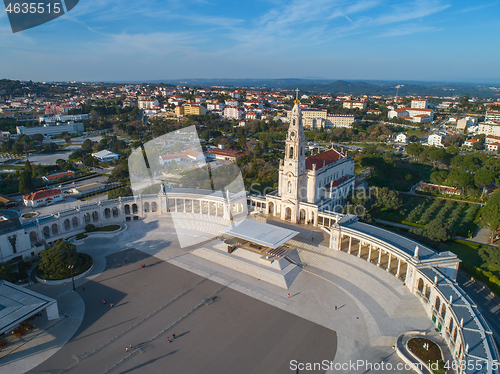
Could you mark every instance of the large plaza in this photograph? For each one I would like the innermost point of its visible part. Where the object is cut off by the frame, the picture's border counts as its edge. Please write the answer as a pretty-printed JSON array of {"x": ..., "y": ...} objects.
[{"x": 340, "y": 308}]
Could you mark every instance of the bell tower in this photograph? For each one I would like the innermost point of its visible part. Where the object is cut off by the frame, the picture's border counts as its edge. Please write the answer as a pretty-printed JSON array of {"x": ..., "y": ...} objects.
[{"x": 292, "y": 173}]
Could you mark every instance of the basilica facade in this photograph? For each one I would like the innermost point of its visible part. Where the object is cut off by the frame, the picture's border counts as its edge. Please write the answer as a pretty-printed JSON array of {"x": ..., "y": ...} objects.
[{"x": 308, "y": 185}]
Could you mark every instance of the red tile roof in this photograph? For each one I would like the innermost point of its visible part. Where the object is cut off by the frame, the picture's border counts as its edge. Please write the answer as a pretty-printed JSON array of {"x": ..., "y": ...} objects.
[
  {"x": 226, "y": 152},
  {"x": 42, "y": 194},
  {"x": 323, "y": 158},
  {"x": 58, "y": 175},
  {"x": 337, "y": 182}
]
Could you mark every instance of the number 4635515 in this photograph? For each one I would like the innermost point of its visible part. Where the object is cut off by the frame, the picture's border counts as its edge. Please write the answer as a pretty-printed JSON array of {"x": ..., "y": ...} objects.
[{"x": 33, "y": 8}]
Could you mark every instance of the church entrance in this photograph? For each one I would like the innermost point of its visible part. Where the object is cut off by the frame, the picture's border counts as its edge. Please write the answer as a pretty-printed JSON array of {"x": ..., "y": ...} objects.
[
  {"x": 302, "y": 216},
  {"x": 288, "y": 214},
  {"x": 271, "y": 208}
]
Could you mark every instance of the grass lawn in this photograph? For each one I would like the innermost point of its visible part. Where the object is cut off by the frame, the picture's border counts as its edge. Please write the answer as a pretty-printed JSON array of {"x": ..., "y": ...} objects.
[{"x": 430, "y": 355}]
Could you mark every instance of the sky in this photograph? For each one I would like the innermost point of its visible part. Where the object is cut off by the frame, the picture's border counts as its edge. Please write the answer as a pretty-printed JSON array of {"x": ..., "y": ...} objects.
[{"x": 141, "y": 40}]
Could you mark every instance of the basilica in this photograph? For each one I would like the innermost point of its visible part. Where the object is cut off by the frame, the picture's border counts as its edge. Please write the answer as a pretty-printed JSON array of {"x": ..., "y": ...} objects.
[{"x": 309, "y": 185}]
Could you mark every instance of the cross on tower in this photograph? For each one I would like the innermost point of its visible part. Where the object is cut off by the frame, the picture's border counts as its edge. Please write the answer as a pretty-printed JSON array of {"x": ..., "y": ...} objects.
[{"x": 297, "y": 96}]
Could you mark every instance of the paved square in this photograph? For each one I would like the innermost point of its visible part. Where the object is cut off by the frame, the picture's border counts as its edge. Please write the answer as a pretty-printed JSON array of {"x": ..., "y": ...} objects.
[{"x": 233, "y": 334}]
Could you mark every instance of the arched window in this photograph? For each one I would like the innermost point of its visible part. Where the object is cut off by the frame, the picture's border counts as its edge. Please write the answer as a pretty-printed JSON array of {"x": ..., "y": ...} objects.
[
  {"x": 134, "y": 208},
  {"x": 291, "y": 152},
  {"x": 289, "y": 187},
  {"x": 95, "y": 216},
  {"x": 116, "y": 212},
  {"x": 107, "y": 213},
  {"x": 55, "y": 229},
  {"x": 154, "y": 207},
  {"x": 74, "y": 221},
  {"x": 146, "y": 207},
  {"x": 67, "y": 225}
]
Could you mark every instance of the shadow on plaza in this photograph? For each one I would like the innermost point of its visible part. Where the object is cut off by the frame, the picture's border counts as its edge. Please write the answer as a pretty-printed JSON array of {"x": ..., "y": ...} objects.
[{"x": 145, "y": 364}]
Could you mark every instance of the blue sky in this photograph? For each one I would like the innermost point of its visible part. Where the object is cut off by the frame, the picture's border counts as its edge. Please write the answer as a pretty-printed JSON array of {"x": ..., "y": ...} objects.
[{"x": 171, "y": 39}]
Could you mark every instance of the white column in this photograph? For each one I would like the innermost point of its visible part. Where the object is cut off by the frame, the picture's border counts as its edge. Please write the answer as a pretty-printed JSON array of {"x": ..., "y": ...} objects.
[
  {"x": 379, "y": 256},
  {"x": 201, "y": 206},
  {"x": 359, "y": 249},
  {"x": 369, "y": 253},
  {"x": 399, "y": 268},
  {"x": 184, "y": 205},
  {"x": 350, "y": 241},
  {"x": 175, "y": 201},
  {"x": 389, "y": 263},
  {"x": 217, "y": 209}
]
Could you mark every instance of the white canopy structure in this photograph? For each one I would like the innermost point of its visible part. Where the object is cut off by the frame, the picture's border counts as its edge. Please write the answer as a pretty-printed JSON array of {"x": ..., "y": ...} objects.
[{"x": 260, "y": 233}]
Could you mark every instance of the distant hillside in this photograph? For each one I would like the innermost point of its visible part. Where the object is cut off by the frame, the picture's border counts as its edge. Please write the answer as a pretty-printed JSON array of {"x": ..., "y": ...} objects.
[{"x": 348, "y": 87}]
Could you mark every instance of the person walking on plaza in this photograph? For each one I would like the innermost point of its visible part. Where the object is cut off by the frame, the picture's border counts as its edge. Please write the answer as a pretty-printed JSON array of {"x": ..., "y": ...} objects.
[
  {"x": 173, "y": 336},
  {"x": 168, "y": 338},
  {"x": 104, "y": 301}
]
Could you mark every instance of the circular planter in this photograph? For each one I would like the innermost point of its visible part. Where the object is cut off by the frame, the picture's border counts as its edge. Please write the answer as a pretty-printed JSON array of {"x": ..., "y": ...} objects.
[
  {"x": 55, "y": 282},
  {"x": 63, "y": 281}
]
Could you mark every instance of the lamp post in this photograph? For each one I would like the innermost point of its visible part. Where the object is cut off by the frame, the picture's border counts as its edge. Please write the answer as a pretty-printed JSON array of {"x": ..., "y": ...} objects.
[{"x": 70, "y": 267}]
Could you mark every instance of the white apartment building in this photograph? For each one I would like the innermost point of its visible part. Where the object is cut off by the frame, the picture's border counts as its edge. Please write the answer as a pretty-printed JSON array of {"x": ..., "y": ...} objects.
[
  {"x": 50, "y": 130},
  {"x": 232, "y": 102},
  {"x": 232, "y": 112},
  {"x": 492, "y": 115},
  {"x": 352, "y": 104},
  {"x": 413, "y": 112},
  {"x": 63, "y": 118},
  {"x": 340, "y": 120},
  {"x": 148, "y": 104},
  {"x": 435, "y": 140},
  {"x": 492, "y": 139},
  {"x": 489, "y": 128},
  {"x": 419, "y": 103}
]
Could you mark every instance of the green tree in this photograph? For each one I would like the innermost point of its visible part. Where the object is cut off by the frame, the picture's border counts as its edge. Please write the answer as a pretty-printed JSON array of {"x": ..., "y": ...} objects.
[
  {"x": 388, "y": 199},
  {"x": 54, "y": 261},
  {"x": 26, "y": 184},
  {"x": 87, "y": 145},
  {"x": 490, "y": 214},
  {"x": 438, "y": 231}
]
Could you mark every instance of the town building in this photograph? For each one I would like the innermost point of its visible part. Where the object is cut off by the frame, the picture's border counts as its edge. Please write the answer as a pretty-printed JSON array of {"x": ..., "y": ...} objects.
[
  {"x": 470, "y": 143},
  {"x": 398, "y": 113},
  {"x": 42, "y": 198},
  {"x": 435, "y": 140},
  {"x": 340, "y": 120},
  {"x": 63, "y": 118},
  {"x": 106, "y": 156},
  {"x": 491, "y": 139},
  {"x": 492, "y": 115},
  {"x": 223, "y": 154},
  {"x": 464, "y": 123},
  {"x": 493, "y": 147},
  {"x": 489, "y": 128},
  {"x": 402, "y": 138},
  {"x": 353, "y": 104},
  {"x": 147, "y": 103},
  {"x": 419, "y": 103},
  {"x": 232, "y": 112},
  {"x": 56, "y": 176},
  {"x": 189, "y": 155},
  {"x": 51, "y": 130},
  {"x": 413, "y": 112},
  {"x": 88, "y": 188}
]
